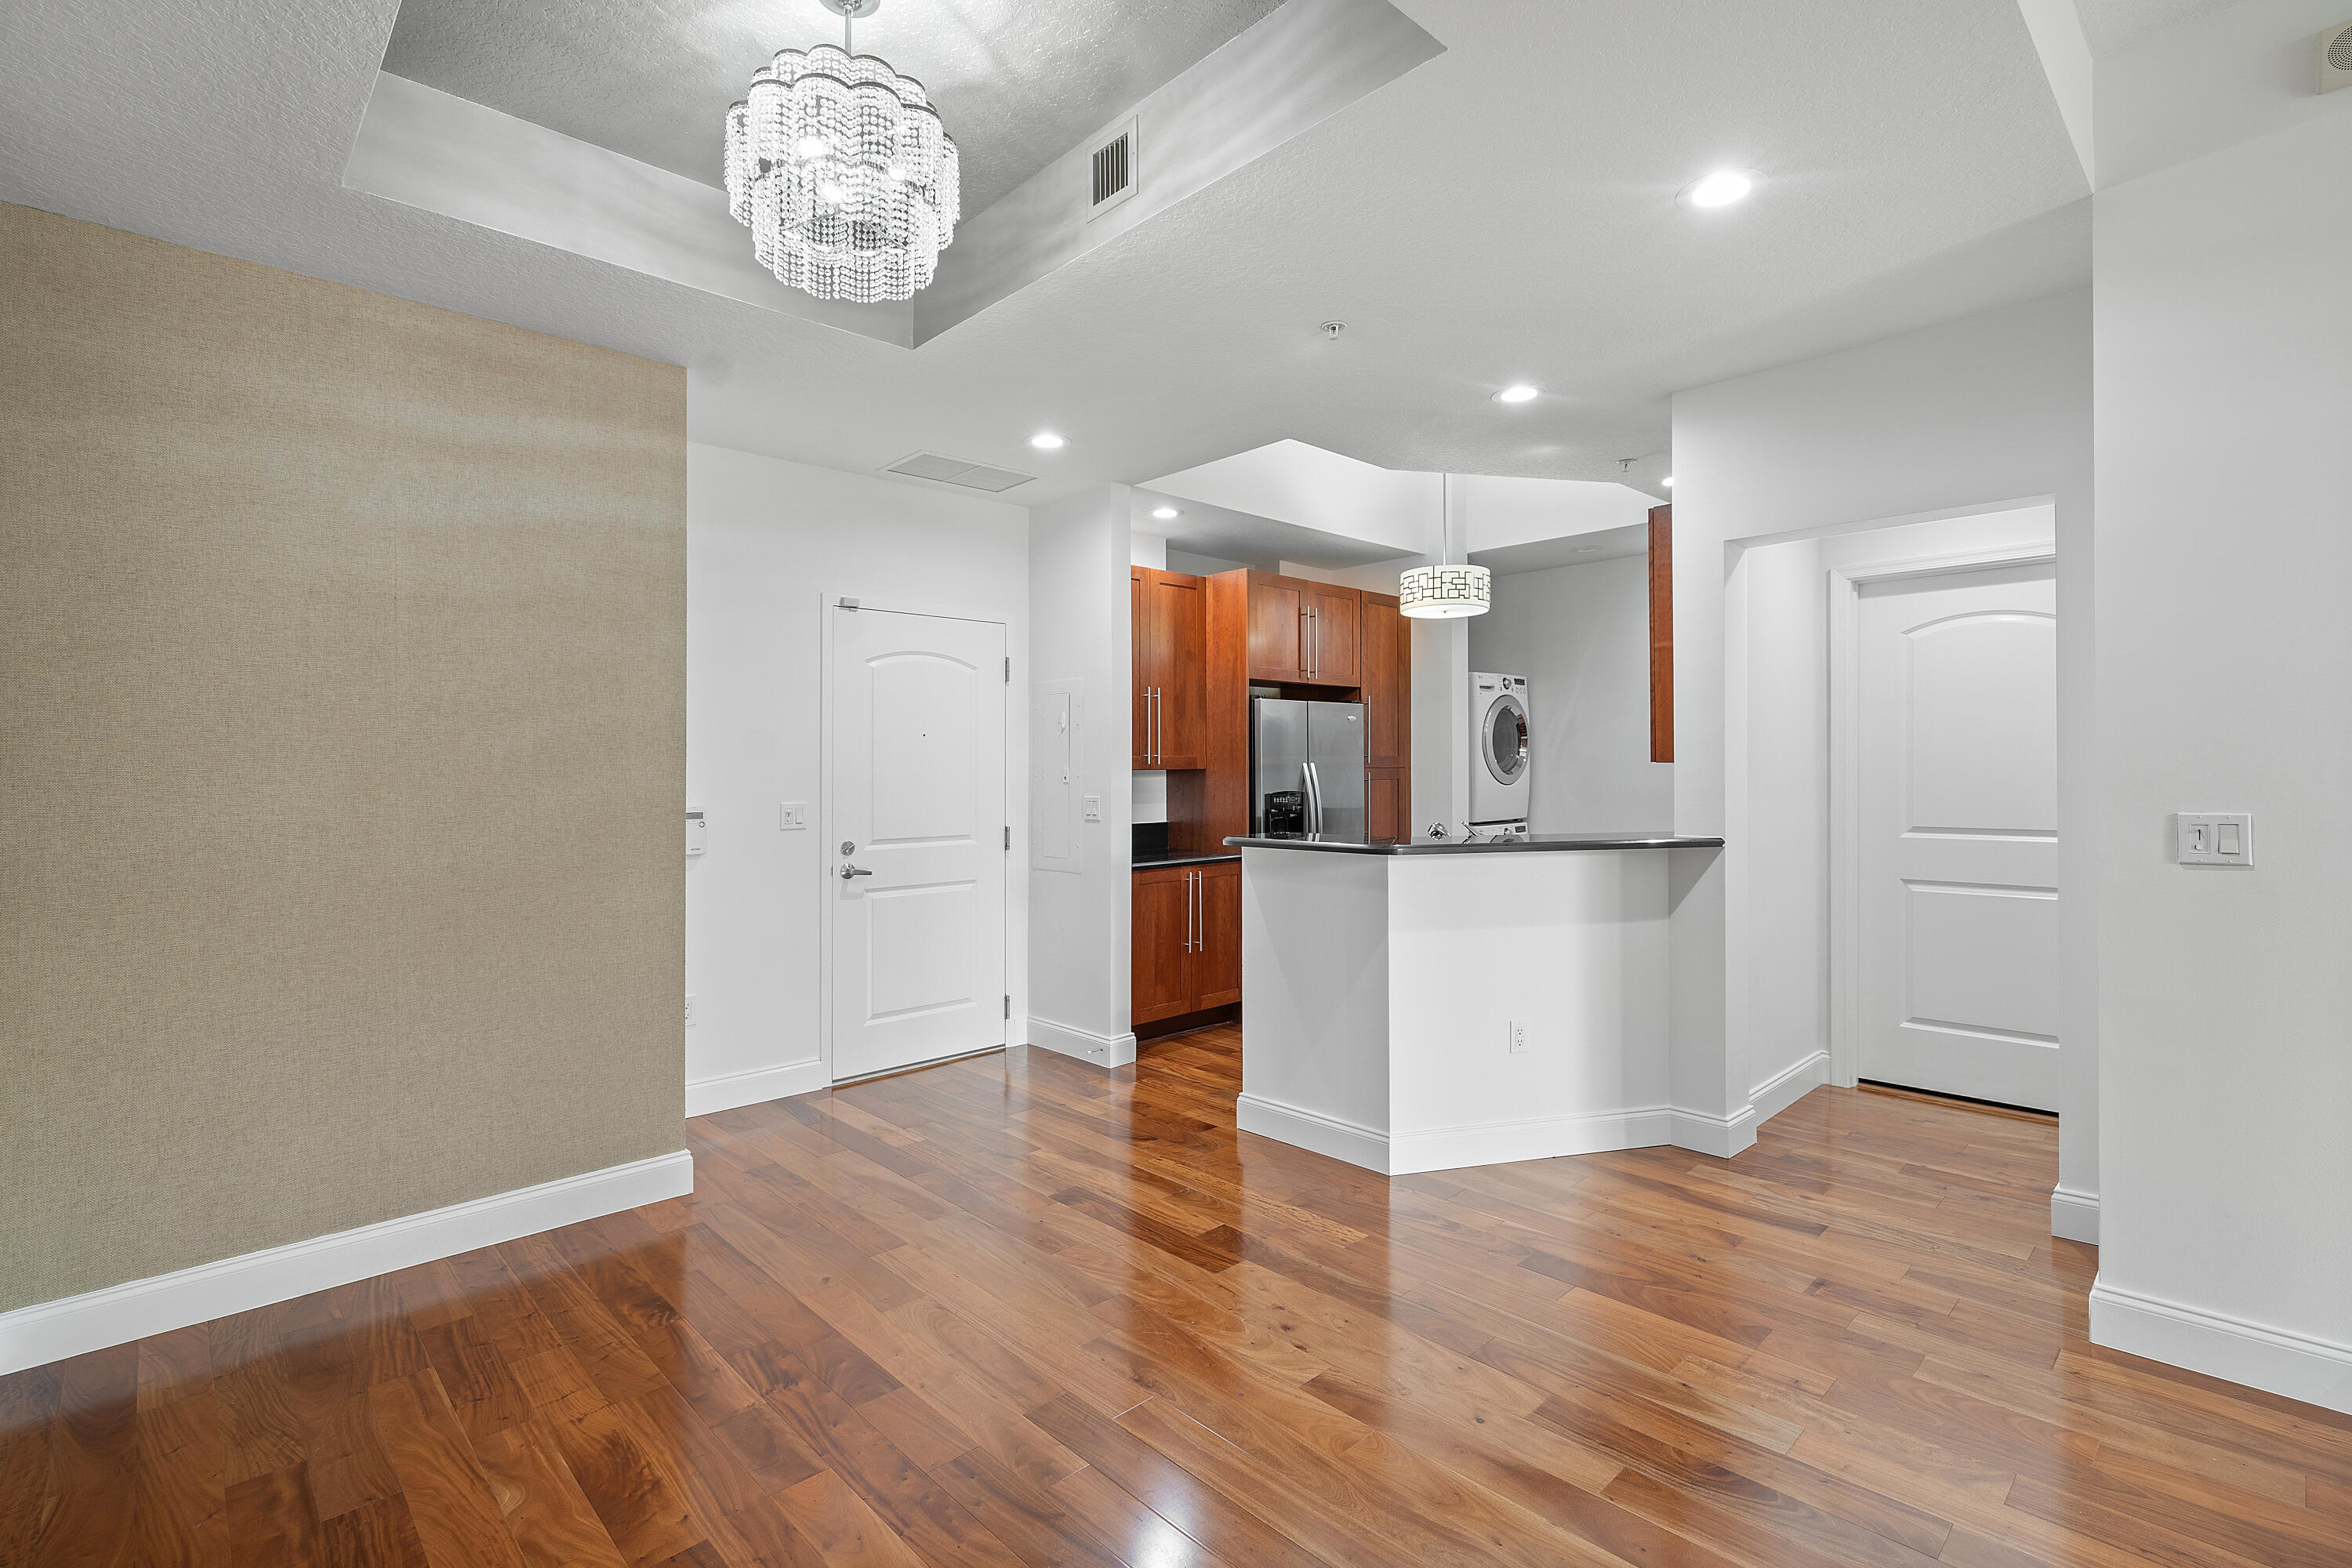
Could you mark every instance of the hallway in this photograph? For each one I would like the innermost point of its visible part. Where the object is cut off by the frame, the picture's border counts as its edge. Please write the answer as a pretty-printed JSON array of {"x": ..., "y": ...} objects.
[{"x": 1013, "y": 1310}]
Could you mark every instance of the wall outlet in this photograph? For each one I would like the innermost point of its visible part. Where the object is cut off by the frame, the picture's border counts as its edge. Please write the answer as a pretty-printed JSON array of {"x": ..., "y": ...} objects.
[
  {"x": 1093, "y": 808},
  {"x": 2213, "y": 839},
  {"x": 1519, "y": 1037},
  {"x": 792, "y": 816},
  {"x": 689, "y": 1009}
]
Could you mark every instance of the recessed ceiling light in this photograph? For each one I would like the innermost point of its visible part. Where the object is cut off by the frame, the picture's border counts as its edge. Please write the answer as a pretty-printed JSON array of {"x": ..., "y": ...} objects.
[
  {"x": 1518, "y": 393},
  {"x": 1166, "y": 513},
  {"x": 1046, "y": 441},
  {"x": 1719, "y": 189},
  {"x": 1668, "y": 482}
]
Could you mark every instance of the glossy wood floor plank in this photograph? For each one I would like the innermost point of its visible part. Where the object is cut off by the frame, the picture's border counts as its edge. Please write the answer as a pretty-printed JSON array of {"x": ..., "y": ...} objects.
[{"x": 1014, "y": 1311}]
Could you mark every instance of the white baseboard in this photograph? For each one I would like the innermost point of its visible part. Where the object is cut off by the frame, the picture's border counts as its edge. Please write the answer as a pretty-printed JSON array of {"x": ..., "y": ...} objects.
[
  {"x": 1452, "y": 1147},
  {"x": 1532, "y": 1138},
  {"x": 703, "y": 1095},
  {"x": 1702, "y": 1132},
  {"x": 50, "y": 1331},
  {"x": 1785, "y": 1087},
  {"x": 1102, "y": 1050},
  {"x": 2315, "y": 1371},
  {"x": 2073, "y": 1216},
  {"x": 1340, "y": 1140}
]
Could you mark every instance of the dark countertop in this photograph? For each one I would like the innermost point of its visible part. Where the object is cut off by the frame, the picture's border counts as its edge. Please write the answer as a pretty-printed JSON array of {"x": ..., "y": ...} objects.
[
  {"x": 1529, "y": 844},
  {"x": 1145, "y": 861}
]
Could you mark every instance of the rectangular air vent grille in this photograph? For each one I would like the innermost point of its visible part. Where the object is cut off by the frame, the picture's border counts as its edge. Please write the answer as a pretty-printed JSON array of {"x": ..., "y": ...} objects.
[
  {"x": 1113, "y": 170},
  {"x": 972, "y": 475}
]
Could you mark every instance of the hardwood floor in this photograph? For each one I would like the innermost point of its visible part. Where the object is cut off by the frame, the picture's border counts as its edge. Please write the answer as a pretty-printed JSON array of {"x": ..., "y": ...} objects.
[{"x": 1012, "y": 1310}]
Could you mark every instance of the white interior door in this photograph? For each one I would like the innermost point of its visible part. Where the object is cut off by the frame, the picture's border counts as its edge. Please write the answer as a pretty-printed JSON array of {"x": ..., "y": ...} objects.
[
  {"x": 916, "y": 807},
  {"x": 1957, "y": 744}
]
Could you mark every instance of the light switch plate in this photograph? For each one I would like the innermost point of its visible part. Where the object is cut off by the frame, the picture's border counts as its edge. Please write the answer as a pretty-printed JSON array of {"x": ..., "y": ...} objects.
[
  {"x": 792, "y": 816},
  {"x": 2213, "y": 839},
  {"x": 1093, "y": 808}
]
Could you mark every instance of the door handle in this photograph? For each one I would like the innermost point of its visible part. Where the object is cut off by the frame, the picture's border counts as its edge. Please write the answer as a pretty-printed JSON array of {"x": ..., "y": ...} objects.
[{"x": 849, "y": 871}]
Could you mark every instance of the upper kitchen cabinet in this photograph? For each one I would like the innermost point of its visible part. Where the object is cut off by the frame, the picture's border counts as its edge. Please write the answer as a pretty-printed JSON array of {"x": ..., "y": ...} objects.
[
  {"x": 1171, "y": 664},
  {"x": 1303, "y": 633}
]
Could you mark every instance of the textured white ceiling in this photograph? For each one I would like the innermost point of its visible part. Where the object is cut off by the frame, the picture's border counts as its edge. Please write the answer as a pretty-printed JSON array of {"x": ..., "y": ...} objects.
[
  {"x": 1503, "y": 212},
  {"x": 1017, "y": 84},
  {"x": 2111, "y": 26}
]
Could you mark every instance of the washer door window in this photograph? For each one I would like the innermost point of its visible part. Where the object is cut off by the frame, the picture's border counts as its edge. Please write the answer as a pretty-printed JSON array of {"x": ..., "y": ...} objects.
[{"x": 1504, "y": 740}]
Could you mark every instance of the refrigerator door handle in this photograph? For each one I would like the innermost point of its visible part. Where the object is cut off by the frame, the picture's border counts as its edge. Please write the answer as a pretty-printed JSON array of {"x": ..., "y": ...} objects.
[{"x": 1314, "y": 798}]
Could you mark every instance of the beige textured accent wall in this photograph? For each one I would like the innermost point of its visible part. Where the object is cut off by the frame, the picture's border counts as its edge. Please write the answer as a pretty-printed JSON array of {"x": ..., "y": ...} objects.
[{"x": 343, "y": 748}]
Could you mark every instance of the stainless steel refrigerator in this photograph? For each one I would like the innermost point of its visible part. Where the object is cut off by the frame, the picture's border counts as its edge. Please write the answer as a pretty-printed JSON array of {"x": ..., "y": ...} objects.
[{"x": 1307, "y": 767}]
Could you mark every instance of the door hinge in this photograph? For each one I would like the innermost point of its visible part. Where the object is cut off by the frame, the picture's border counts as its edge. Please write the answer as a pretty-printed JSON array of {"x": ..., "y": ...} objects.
[
  {"x": 1008, "y": 838},
  {"x": 1008, "y": 670},
  {"x": 1008, "y": 1004},
  {"x": 846, "y": 604}
]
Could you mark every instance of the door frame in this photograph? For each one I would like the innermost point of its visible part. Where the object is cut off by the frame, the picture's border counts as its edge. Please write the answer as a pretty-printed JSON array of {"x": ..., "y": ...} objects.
[
  {"x": 830, "y": 609},
  {"x": 1845, "y": 585}
]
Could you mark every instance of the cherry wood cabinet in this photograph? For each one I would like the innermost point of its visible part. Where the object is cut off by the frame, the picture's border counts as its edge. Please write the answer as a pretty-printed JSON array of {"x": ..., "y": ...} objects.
[
  {"x": 1334, "y": 635},
  {"x": 1303, "y": 633},
  {"x": 1277, "y": 628},
  {"x": 1387, "y": 682},
  {"x": 1187, "y": 939},
  {"x": 1171, "y": 701},
  {"x": 1388, "y": 803}
]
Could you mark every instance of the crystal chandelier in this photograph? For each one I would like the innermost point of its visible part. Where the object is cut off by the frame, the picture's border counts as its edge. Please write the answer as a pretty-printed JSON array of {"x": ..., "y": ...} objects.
[
  {"x": 842, "y": 171},
  {"x": 1443, "y": 592}
]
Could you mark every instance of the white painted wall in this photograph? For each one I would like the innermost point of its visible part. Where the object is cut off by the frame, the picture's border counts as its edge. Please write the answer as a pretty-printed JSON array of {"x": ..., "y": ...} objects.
[
  {"x": 1957, "y": 418},
  {"x": 1581, "y": 637},
  {"x": 1080, "y": 554},
  {"x": 2225, "y": 683},
  {"x": 765, "y": 539}
]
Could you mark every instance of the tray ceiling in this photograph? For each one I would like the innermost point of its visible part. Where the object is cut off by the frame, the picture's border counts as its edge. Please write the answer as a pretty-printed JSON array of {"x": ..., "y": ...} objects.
[{"x": 651, "y": 80}]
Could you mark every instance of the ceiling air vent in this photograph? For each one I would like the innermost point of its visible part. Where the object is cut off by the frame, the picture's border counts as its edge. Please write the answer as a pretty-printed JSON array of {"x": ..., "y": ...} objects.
[
  {"x": 958, "y": 472},
  {"x": 2336, "y": 57},
  {"x": 1112, "y": 169}
]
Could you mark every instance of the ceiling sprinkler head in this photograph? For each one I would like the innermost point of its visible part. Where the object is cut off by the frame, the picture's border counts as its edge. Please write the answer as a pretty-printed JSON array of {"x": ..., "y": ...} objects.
[{"x": 1331, "y": 331}]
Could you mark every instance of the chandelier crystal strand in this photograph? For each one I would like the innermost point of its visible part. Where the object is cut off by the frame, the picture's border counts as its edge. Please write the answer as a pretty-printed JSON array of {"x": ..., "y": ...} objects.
[{"x": 844, "y": 173}]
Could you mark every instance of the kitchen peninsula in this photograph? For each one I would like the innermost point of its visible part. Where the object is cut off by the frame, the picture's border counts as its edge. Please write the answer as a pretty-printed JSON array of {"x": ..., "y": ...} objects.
[{"x": 1425, "y": 1005}]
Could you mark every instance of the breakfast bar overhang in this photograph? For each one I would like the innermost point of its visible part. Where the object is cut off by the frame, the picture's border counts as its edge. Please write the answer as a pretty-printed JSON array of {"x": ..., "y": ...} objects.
[{"x": 1440, "y": 1003}]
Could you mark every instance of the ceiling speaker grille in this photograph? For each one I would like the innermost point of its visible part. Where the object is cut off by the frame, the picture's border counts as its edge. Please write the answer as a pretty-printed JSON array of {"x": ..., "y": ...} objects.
[
  {"x": 1112, "y": 170},
  {"x": 960, "y": 471},
  {"x": 2340, "y": 54}
]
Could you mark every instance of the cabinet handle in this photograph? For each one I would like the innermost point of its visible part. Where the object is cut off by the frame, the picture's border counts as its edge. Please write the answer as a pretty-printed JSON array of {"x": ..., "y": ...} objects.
[
  {"x": 1318, "y": 624},
  {"x": 1159, "y": 725},
  {"x": 1201, "y": 919},
  {"x": 1188, "y": 912}
]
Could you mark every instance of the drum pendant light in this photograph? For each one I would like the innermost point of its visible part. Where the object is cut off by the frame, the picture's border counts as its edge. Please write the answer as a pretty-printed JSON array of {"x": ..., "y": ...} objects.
[{"x": 1443, "y": 592}]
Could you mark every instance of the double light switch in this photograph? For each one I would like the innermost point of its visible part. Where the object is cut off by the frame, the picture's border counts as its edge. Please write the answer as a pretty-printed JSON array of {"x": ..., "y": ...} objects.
[{"x": 2213, "y": 839}]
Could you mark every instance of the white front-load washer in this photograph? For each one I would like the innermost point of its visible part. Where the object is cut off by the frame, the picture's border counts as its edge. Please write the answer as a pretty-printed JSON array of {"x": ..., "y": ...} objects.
[{"x": 1498, "y": 748}]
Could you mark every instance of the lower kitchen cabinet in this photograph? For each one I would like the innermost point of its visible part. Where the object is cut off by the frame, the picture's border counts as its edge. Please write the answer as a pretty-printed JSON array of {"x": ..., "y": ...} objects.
[
  {"x": 1187, "y": 939},
  {"x": 1388, "y": 803}
]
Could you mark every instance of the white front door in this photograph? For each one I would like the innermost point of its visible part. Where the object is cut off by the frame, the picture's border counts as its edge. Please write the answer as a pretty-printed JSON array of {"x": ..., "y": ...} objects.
[
  {"x": 1957, "y": 740},
  {"x": 916, "y": 807}
]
